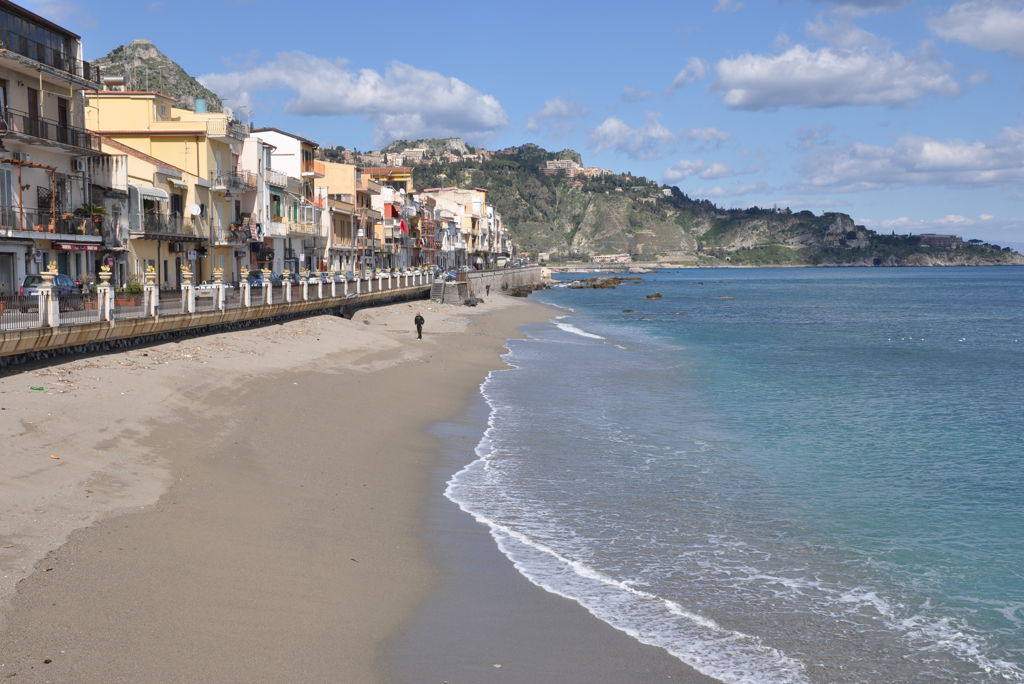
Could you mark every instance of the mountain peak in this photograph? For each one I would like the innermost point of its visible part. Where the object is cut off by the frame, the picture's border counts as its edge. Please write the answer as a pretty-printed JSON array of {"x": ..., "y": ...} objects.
[{"x": 144, "y": 67}]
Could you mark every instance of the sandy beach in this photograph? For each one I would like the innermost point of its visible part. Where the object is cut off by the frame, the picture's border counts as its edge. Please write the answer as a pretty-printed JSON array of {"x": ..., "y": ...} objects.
[{"x": 253, "y": 506}]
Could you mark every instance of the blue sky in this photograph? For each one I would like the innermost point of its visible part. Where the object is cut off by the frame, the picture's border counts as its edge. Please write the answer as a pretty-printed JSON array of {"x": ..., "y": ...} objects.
[{"x": 906, "y": 114}]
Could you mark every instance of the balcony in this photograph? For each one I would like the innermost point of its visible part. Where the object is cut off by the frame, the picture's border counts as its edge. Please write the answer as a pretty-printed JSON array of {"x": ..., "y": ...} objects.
[
  {"x": 226, "y": 131},
  {"x": 230, "y": 235},
  {"x": 276, "y": 178},
  {"x": 367, "y": 243},
  {"x": 339, "y": 206},
  {"x": 38, "y": 128},
  {"x": 49, "y": 56},
  {"x": 14, "y": 219},
  {"x": 312, "y": 168},
  {"x": 166, "y": 226},
  {"x": 239, "y": 181}
]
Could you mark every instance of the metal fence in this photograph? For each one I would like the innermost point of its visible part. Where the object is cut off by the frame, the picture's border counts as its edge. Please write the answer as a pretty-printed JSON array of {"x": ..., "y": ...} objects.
[
  {"x": 20, "y": 312},
  {"x": 78, "y": 309}
]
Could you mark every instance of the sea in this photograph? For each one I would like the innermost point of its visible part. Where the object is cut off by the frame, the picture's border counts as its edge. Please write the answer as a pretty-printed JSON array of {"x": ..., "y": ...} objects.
[{"x": 776, "y": 475}]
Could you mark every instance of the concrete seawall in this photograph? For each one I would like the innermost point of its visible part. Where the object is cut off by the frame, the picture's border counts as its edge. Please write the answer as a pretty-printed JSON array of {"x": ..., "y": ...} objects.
[{"x": 18, "y": 346}]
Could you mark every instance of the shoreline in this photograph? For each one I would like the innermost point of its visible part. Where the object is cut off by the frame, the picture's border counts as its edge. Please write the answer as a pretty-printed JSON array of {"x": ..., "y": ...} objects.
[
  {"x": 249, "y": 506},
  {"x": 484, "y": 619}
]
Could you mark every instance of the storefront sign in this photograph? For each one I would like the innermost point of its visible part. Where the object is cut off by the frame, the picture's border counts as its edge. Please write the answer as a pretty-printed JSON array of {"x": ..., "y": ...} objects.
[{"x": 75, "y": 247}]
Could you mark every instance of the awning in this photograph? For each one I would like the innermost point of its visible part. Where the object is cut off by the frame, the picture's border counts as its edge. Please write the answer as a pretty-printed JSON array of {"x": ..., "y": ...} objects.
[
  {"x": 178, "y": 183},
  {"x": 147, "y": 192}
]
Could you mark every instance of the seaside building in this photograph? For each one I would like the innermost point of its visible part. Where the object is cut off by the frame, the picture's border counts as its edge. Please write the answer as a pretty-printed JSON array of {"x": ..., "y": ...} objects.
[
  {"x": 470, "y": 209},
  {"x": 367, "y": 219},
  {"x": 940, "y": 240},
  {"x": 47, "y": 194},
  {"x": 338, "y": 187},
  {"x": 266, "y": 238},
  {"x": 293, "y": 198},
  {"x": 206, "y": 145},
  {"x": 152, "y": 227},
  {"x": 393, "y": 230}
]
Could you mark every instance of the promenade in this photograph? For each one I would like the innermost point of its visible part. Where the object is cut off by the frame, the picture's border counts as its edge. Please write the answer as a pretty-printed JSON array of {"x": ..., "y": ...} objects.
[{"x": 36, "y": 325}]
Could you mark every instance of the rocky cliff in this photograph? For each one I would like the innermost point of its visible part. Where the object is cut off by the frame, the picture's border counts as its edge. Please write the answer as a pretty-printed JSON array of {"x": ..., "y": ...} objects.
[{"x": 144, "y": 67}]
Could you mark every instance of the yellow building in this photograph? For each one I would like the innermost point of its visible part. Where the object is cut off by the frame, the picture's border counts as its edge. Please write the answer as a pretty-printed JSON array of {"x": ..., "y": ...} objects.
[
  {"x": 339, "y": 187},
  {"x": 205, "y": 145},
  {"x": 160, "y": 232}
]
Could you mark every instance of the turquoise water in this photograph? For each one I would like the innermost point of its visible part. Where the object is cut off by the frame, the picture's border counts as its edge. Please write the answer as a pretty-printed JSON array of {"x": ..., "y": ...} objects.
[{"x": 775, "y": 474}]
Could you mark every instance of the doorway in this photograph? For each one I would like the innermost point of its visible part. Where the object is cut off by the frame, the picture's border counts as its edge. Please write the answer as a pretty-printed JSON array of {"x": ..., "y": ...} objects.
[{"x": 7, "y": 280}]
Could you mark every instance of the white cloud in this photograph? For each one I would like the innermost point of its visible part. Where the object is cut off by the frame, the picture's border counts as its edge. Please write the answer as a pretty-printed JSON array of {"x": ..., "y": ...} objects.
[
  {"x": 813, "y": 136},
  {"x": 403, "y": 102},
  {"x": 695, "y": 70},
  {"x": 865, "y": 6},
  {"x": 843, "y": 33},
  {"x": 728, "y": 5},
  {"x": 630, "y": 94},
  {"x": 915, "y": 160},
  {"x": 829, "y": 77},
  {"x": 991, "y": 25},
  {"x": 650, "y": 141},
  {"x": 556, "y": 113},
  {"x": 54, "y": 10},
  {"x": 906, "y": 224},
  {"x": 719, "y": 191},
  {"x": 685, "y": 168},
  {"x": 709, "y": 135}
]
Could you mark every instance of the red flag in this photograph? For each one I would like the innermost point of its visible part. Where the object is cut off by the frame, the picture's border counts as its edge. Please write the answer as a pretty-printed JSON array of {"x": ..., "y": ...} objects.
[{"x": 404, "y": 228}]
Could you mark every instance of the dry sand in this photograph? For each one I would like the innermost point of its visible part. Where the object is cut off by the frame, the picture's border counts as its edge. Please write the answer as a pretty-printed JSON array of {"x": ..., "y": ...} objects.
[{"x": 240, "y": 507}]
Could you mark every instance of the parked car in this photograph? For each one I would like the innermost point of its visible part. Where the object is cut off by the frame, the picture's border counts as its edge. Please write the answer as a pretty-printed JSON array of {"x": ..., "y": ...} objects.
[
  {"x": 257, "y": 278},
  {"x": 67, "y": 291}
]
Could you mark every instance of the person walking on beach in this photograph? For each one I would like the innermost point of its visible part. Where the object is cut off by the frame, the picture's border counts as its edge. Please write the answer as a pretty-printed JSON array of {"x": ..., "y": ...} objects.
[
  {"x": 419, "y": 326},
  {"x": 487, "y": 290}
]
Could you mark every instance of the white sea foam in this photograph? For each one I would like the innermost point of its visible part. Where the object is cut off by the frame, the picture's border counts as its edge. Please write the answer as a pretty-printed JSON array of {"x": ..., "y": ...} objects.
[
  {"x": 554, "y": 558},
  {"x": 570, "y": 328}
]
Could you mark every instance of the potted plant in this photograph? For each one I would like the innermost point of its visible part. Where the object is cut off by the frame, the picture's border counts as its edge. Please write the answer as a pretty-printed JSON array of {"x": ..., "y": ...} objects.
[
  {"x": 93, "y": 213},
  {"x": 129, "y": 295}
]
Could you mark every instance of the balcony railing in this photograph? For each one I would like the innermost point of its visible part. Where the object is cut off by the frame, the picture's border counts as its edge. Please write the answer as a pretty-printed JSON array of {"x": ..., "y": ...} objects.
[
  {"x": 276, "y": 178},
  {"x": 239, "y": 180},
  {"x": 45, "y": 54},
  {"x": 222, "y": 128},
  {"x": 13, "y": 121},
  {"x": 12, "y": 218},
  {"x": 312, "y": 167},
  {"x": 168, "y": 225},
  {"x": 230, "y": 235}
]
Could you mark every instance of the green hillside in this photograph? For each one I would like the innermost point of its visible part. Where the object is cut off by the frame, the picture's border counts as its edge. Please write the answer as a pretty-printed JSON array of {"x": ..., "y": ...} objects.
[{"x": 576, "y": 218}]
